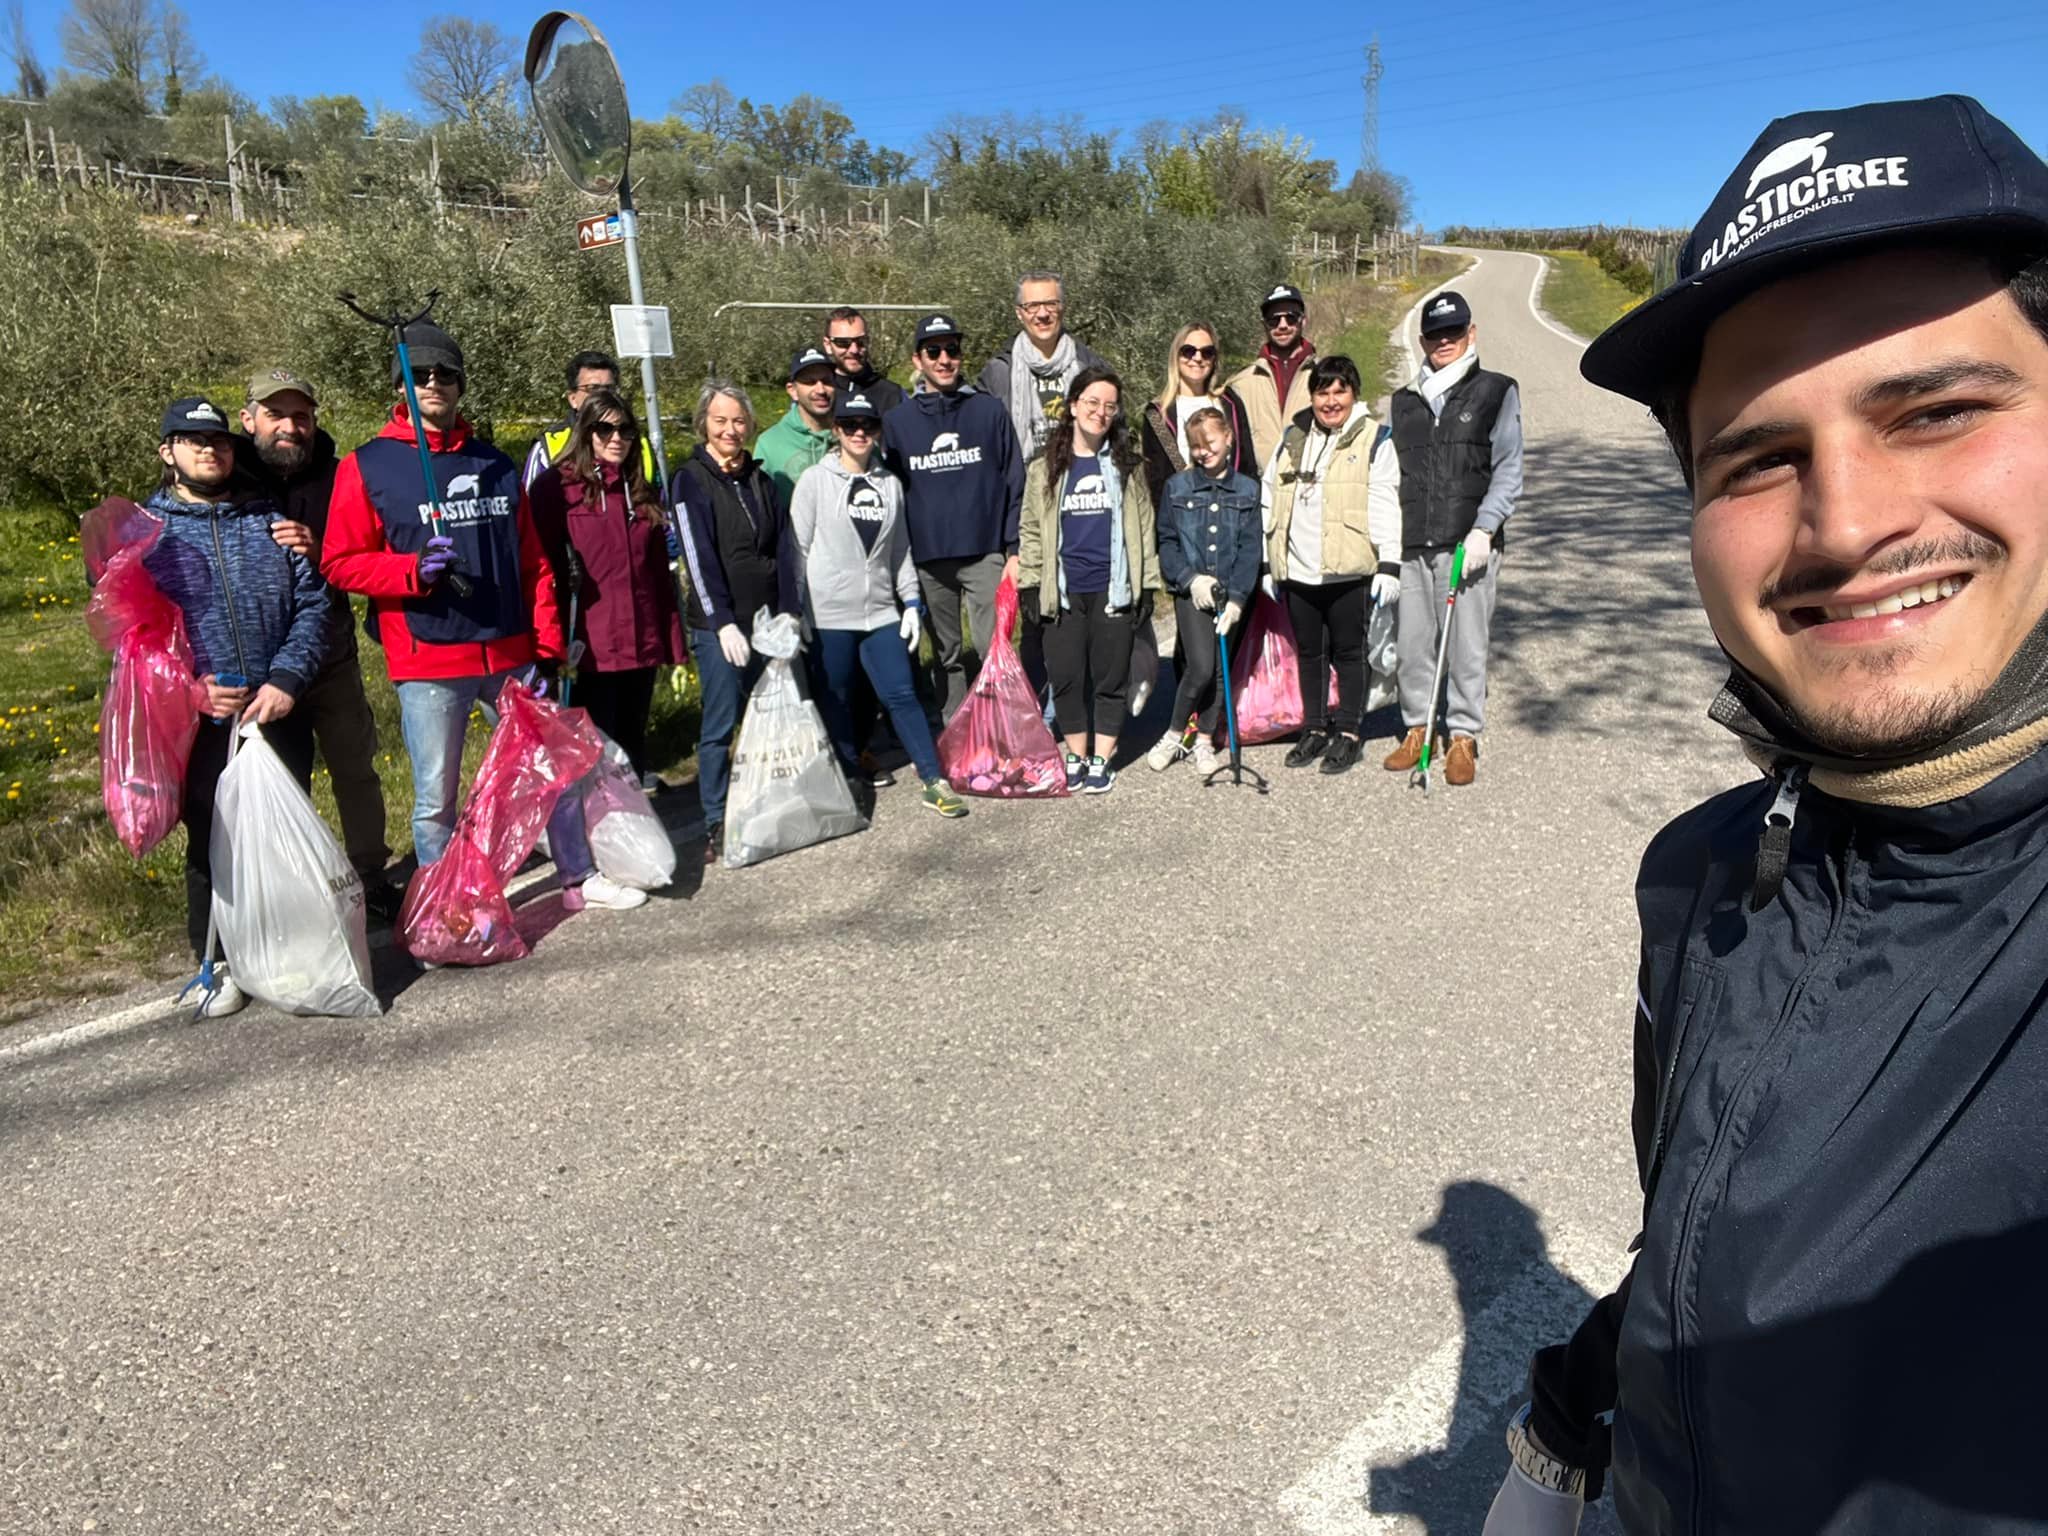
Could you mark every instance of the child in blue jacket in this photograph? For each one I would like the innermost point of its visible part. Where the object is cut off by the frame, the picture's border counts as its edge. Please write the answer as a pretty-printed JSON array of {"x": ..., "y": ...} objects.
[
  {"x": 253, "y": 610},
  {"x": 1210, "y": 538}
]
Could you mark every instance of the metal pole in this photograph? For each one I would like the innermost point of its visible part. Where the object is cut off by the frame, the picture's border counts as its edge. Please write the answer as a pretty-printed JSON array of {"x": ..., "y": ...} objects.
[{"x": 629, "y": 222}]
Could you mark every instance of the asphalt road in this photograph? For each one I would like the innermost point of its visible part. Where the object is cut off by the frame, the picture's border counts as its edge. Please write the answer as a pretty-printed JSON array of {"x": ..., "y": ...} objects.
[{"x": 1179, "y": 1161}]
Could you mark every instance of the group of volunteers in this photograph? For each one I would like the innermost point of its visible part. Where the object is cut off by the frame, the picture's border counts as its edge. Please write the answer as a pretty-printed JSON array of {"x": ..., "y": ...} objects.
[{"x": 878, "y": 515}]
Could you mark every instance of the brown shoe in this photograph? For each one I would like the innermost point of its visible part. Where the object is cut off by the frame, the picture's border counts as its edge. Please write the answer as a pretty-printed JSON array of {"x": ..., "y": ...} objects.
[
  {"x": 1461, "y": 763},
  {"x": 1406, "y": 755}
]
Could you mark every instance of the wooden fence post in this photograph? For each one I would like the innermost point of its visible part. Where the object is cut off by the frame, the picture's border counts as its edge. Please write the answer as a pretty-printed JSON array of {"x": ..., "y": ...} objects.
[{"x": 227, "y": 124}]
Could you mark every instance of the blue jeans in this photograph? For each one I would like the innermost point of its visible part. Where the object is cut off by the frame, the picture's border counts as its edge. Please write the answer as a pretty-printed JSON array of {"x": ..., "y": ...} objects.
[
  {"x": 723, "y": 688},
  {"x": 433, "y": 715},
  {"x": 883, "y": 656}
]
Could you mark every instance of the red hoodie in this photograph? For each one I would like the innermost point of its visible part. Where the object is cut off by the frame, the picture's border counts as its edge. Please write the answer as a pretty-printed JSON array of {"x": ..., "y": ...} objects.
[
  {"x": 357, "y": 557},
  {"x": 1285, "y": 368}
]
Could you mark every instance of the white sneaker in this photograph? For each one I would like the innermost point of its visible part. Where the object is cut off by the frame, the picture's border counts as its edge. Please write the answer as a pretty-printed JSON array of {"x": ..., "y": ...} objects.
[
  {"x": 1205, "y": 756},
  {"x": 1170, "y": 750},
  {"x": 606, "y": 895},
  {"x": 224, "y": 999}
]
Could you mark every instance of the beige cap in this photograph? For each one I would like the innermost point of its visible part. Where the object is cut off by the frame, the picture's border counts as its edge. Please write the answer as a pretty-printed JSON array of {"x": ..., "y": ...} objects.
[{"x": 275, "y": 381}]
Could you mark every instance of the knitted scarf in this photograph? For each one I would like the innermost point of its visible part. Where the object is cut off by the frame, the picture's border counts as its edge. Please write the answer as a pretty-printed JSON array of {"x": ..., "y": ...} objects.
[{"x": 1026, "y": 369}]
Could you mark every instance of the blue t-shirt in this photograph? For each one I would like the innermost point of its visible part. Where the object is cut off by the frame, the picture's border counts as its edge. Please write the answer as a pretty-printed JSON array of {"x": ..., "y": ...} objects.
[{"x": 1087, "y": 524}]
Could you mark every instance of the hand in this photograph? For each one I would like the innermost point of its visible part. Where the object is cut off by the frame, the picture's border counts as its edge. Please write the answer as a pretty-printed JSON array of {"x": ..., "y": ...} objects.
[
  {"x": 1011, "y": 567},
  {"x": 1386, "y": 589},
  {"x": 1027, "y": 604},
  {"x": 222, "y": 702},
  {"x": 910, "y": 629},
  {"x": 1227, "y": 619},
  {"x": 1478, "y": 550},
  {"x": 268, "y": 705},
  {"x": 1202, "y": 592},
  {"x": 436, "y": 560},
  {"x": 1141, "y": 608},
  {"x": 1266, "y": 586},
  {"x": 296, "y": 537},
  {"x": 675, "y": 543},
  {"x": 733, "y": 646},
  {"x": 1524, "y": 1508}
]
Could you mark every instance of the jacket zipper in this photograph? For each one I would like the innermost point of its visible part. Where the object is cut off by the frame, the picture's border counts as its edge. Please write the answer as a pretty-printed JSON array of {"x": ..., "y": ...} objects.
[
  {"x": 227, "y": 588},
  {"x": 1687, "y": 1231}
]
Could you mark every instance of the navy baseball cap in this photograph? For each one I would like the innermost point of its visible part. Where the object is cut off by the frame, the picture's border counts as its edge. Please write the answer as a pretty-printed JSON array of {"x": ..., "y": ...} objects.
[
  {"x": 194, "y": 413},
  {"x": 1283, "y": 293},
  {"x": 938, "y": 328},
  {"x": 810, "y": 357},
  {"x": 854, "y": 405},
  {"x": 1819, "y": 186},
  {"x": 1448, "y": 311}
]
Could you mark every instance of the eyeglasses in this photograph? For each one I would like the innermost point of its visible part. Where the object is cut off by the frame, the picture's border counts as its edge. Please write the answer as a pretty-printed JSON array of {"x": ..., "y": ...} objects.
[
  {"x": 436, "y": 374},
  {"x": 219, "y": 442},
  {"x": 605, "y": 431},
  {"x": 1198, "y": 354},
  {"x": 846, "y": 343},
  {"x": 1283, "y": 317},
  {"x": 1042, "y": 307},
  {"x": 940, "y": 349},
  {"x": 860, "y": 427}
]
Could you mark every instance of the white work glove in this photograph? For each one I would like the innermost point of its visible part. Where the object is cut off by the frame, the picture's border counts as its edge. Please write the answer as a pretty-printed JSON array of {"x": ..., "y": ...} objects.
[
  {"x": 1524, "y": 1507},
  {"x": 1227, "y": 619},
  {"x": 1387, "y": 589},
  {"x": 1478, "y": 550},
  {"x": 1266, "y": 586},
  {"x": 733, "y": 646},
  {"x": 909, "y": 629},
  {"x": 1202, "y": 592}
]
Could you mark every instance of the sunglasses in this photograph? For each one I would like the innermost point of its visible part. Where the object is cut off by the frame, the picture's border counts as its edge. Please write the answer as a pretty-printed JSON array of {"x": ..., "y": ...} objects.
[
  {"x": 1198, "y": 354},
  {"x": 860, "y": 426},
  {"x": 1283, "y": 317},
  {"x": 1443, "y": 338},
  {"x": 435, "y": 374},
  {"x": 845, "y": 343},
  {"x": 940, "y": 349},
  {"x": 605, "y": 431}
]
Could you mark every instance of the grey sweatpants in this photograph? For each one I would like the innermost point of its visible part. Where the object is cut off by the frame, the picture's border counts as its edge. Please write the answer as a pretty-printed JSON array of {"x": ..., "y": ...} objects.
[
  {"x": 1424, "y": 583},
  {"x": 945, "y": 584}
]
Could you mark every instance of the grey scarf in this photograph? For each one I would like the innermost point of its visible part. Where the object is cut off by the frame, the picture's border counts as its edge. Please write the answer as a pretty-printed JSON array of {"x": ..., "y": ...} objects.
[{"x": 1026, "y": 369}]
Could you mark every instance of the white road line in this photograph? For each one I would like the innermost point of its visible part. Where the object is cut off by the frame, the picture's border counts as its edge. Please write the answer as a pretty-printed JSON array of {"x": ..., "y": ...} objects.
[
  {"x": 1485, "y": 1364},
  {"x": 1407, "y": 328},
  {"x": 1535, "y": 286}
]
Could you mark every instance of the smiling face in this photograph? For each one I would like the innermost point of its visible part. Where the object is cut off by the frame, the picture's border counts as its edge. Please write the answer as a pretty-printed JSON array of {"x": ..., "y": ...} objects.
[
  {"x": 812, "y": 391},
  {"x": 1041, "y": 311},
  {"x": 1283, "y": 325},
  {"x": 939, "y": 361},
  {"x": 1209, "y": 442},
  {"x": 1443, "y": 348},
  {"x": 1195, "y": 360},
  {"x": 725, "y": 428},
  {"x": 1094, "y": 412},
  {"x": 203, "y": 461},
  {"x": 1333, "y": 404},
  {"x": 282, "y": 428},
  {"x": 610, "y": 440},
  {"x": 1870, "y": 457}
]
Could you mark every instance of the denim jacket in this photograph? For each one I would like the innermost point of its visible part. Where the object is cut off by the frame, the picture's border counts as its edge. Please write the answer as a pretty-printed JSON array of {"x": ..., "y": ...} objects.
[{"x": 1211, "y": 528}]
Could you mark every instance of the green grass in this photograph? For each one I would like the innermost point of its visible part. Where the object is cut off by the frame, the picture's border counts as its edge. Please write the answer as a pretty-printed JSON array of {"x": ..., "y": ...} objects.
[
  {"x": 1368, "y": 312},
  {"x": 1581, "y": 297}
]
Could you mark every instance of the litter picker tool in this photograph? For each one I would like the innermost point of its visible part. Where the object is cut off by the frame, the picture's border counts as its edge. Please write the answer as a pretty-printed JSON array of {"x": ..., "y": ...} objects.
[
  {"x": 1235, "y": 768},
  {"x": 1420, "y": 777},
  {"x": 395, "y": 323},
  {"x": 572, "y": 567}
]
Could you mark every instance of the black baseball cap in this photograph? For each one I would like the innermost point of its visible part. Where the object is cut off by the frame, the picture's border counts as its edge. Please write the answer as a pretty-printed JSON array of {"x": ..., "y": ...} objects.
[
  {"x": 854, "y": 405},
  {"x": 194, "y": 413},
  {"x": 1448, "y": 311},
  {"x": 1283, "y": 293},
  {"x": 1819, "y": 186},
  {"x": 810, "y": 357},
  {"x": 938, "y": 328}
]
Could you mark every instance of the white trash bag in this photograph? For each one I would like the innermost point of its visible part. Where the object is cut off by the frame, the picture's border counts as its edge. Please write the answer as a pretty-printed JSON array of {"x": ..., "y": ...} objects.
[
  {"x": 628, "y": 843},
  {"x": 287, "y": 902},
  {"x": 787, "y": 791},
  {"x": 1383, "y": 656}
]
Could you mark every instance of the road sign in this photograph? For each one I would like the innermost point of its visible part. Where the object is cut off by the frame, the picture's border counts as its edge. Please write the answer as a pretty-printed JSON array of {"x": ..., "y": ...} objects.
[
  {"x": 599, "y": 229},
  {"x": 641, "y": 330}
]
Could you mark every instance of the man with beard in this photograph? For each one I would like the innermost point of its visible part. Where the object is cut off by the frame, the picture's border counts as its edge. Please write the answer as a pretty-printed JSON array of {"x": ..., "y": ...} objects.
[
  {"x": 847, "y": 343},
  {"x": 292, "y": 459},
  {"x": 1832, "y": 1323}
]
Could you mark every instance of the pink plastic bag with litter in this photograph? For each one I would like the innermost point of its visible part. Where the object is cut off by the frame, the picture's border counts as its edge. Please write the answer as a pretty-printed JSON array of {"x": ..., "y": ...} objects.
[
  {"x": 1265, "y": 677},
  {"x": 148, "y": 719},
  {"x": 455, "y": 911},
  {"x": 997, "y": 743}
]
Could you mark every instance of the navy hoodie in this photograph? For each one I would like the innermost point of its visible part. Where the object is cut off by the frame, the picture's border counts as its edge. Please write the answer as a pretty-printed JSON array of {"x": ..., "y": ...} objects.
[{"x": 963, "y": 480}]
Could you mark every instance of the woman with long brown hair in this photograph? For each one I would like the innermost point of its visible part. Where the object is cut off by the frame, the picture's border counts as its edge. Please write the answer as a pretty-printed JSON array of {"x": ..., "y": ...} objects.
[{"x": 604, "y": 530}]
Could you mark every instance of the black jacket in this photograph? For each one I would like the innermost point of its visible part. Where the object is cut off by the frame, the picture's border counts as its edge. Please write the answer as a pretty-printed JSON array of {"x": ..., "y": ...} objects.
[
  {"x": 877, "y": 386},
  {"x": 303, "y": 498},
  {"x": 1446, "y": 460},
  {"x": 737, "y": 542},
  {"x": 1835, "y": 1320}
]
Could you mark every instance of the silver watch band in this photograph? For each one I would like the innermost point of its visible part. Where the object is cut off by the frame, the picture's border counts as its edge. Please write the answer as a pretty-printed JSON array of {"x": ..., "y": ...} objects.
[{"x": 1543, "y": 1470}]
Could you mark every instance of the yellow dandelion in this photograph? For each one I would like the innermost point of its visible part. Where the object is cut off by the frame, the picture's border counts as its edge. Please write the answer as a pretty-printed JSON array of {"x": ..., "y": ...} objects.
[{"x": 14, "y": 794}]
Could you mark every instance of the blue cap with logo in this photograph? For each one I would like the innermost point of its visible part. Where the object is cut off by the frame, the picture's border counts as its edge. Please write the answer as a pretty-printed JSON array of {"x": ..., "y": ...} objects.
[
  {"x": 1818, "y": 186},
  {"x": 806, "y": 360},
  {"x": 854, "y": 405},
  {"x": 938, "y": 328},
  {"x": 1448, "y": 311},
  {"x": 194, "y": 414}
]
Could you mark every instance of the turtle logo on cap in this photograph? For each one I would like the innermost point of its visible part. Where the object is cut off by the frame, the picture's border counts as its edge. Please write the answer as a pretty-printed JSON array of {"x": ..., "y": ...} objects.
[
  {"x": 202, "y": 412},
  {"x": 1810, "y": 151},
  {"x": 1282, "y": 292}
]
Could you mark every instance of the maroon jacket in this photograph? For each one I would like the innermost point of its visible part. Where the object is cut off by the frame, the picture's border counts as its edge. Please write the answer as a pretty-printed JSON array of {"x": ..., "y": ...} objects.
[{"x": 627, "y": 614}]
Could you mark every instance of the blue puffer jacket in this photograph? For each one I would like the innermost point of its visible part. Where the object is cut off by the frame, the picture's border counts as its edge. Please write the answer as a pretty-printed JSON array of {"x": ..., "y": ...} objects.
[
  {"x": 251, "y": 606},
  {"x": 1211, "y": 528}
]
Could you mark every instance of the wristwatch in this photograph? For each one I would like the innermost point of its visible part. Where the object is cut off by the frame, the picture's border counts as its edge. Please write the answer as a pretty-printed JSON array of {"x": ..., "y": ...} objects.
[{"x": 1543, "y": 1470}]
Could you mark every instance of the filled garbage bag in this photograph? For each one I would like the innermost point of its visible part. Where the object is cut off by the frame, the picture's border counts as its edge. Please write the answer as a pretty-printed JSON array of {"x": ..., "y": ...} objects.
[
  {"x": 787, "y": 791},
  {"x": 149, "y": 717},
  {"x": 455, "y": 911},
  {"x": 997, "y": 743},
  {"x": 628, "y": 843},
  {"x": 1265, "y": 677},
  {"x": 286, "y": 900}
]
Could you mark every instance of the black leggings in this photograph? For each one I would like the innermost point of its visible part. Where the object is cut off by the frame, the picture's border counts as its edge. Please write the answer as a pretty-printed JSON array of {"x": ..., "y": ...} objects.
[
  {"x": 1329, "y": 625},
  {"x": 291, "y": 738},
  {"x": 619, "y": 703},
  {"x": 1089, "y": 645}
]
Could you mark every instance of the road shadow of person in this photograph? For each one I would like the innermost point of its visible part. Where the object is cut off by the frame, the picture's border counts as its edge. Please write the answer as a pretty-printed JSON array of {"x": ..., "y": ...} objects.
[{"x": 1513, "y": 1299}]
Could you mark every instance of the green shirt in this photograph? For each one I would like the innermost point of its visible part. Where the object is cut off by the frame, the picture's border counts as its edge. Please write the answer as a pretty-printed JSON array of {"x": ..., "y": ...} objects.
[{"x": 789, "y": 448}]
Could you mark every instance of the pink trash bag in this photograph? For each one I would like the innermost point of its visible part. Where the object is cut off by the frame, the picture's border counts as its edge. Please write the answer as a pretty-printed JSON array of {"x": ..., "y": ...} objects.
[
  {"x": 1265, "y": 677},
  {"x": 149, "y": 718},
  {"x": 455, "y": 911},
  {"x": 997, "y": 743}
]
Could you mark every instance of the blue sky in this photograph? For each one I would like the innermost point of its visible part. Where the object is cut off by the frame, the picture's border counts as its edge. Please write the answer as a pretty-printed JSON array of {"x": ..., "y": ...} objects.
[{"x": 1497, "y": 113}]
